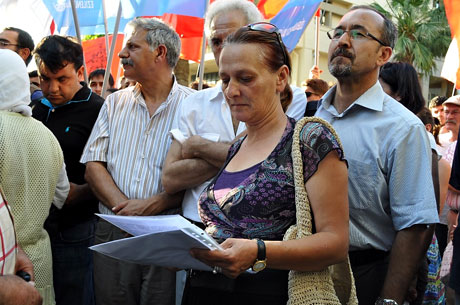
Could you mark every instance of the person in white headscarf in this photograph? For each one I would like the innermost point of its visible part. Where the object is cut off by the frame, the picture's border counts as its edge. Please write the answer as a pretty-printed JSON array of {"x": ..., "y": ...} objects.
[
  {"x": 14, "y": 82},
  {"x": 32, "y": 171}
]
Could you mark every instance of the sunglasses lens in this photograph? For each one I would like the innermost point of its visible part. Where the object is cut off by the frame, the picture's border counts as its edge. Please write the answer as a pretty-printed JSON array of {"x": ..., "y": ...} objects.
[
  {"x": 265, "y": 27},
  {"x": 308, "y": 94},
  {"x": 270, "y": 28}
]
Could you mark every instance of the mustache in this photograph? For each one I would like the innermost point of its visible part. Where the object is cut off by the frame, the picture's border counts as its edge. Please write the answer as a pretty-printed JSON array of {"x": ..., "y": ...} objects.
[
  {"x": 342, "y": 52},
  {"x": 451, "y": 121},
  {"x": 127, "y": 62}
]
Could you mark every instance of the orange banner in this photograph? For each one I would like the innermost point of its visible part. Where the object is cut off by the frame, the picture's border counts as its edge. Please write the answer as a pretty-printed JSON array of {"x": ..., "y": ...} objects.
[{"x": 269, "y": 8}]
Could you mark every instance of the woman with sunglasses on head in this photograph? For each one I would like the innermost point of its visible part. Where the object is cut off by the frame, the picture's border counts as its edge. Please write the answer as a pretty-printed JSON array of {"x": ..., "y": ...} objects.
[{"x": 250, "y": 204}]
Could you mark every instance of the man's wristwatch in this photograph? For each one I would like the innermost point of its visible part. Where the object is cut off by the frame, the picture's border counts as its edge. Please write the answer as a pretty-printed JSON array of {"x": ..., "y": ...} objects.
[
  {"x": 261, "y": 261},
  {"x": 381, "y": 301}
]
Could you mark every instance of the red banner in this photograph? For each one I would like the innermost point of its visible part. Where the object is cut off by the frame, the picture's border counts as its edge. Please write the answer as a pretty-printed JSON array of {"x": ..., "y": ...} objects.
[{"x": 96, "y": 56}]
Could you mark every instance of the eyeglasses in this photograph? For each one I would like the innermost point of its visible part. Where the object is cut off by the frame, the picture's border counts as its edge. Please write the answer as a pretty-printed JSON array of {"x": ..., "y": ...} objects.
[
  {"x": 270, "y": 28},
  {"x": 355, "y": 34},
  {"x": 4, "y": 44},
  {"x": 308, "y": 93}
]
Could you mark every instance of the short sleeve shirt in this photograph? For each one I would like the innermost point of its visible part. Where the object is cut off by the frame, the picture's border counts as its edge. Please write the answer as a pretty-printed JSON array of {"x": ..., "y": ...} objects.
[
  {"x": 389, "y": 176},
  {"x": 263, "y": 205}
]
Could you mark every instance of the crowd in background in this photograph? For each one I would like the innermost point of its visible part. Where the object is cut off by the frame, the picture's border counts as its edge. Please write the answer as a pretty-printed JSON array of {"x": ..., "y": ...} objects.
[{"x": 379, "y": 169}]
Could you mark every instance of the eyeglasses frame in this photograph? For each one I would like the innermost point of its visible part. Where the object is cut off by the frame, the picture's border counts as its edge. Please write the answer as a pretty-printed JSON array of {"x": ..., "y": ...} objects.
[
  {"x": 366, "y": 34},
  {"x": 4, "y": 43}
]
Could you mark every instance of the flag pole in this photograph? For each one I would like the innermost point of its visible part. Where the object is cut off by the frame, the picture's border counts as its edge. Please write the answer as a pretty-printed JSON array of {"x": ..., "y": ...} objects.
[
  {"x": 77, "y": 31},
  {"x": 104, "y": 13},
  {"x": 203, "y": 53},
  {"x": 317, "y": 37},
  {"x": 112, "y": 50}
]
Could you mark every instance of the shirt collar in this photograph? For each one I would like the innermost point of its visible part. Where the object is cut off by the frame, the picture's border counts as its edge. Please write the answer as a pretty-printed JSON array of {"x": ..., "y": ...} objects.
[
  {"x": 217, "y": 94},
  {"x": 371, "y": 99},
  {"x": 138, "y": 93},
  {"x": 82, "y": 95}
]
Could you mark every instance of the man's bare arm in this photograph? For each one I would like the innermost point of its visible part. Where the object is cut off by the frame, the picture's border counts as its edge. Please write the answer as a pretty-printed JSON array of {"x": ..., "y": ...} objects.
[
  {"x": 214, "y": 153},
  {"x": 102, "y": 184},
  {"x": 79, "y": 194},
  {"x": 150, "y": 206},
  {"x": 409, "y": 247},
  {"x": 179, "y": 173}
]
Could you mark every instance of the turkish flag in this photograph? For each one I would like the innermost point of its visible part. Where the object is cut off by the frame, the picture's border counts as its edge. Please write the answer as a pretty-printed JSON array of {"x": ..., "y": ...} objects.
[{"x": 190, "y": 30}]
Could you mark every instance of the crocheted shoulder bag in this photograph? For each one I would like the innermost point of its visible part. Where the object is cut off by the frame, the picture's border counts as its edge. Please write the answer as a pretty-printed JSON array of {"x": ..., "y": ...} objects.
[{"x": 335, "y": 284}]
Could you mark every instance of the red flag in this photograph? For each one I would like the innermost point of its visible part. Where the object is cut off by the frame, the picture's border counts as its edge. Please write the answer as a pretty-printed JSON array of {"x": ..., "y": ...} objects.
[
  {"x": 453, "y": 17},
  {"x": 52, "y": 27},
  {"x": 190, "y": 30}
]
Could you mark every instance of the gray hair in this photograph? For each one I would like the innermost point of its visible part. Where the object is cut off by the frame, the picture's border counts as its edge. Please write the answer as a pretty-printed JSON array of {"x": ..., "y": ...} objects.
[
  {"x": 224, "y": 6},
  {"x": 158, "y": 33},
  {"x": 389, "y": 31}
]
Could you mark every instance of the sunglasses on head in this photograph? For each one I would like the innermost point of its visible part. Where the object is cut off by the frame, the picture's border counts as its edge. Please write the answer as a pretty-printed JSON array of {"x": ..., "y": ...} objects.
[{"x": 270, "y": 28}]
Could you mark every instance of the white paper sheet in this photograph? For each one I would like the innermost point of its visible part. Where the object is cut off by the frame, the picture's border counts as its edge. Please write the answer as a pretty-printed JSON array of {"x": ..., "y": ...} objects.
[{"x": 158, "y": 240}]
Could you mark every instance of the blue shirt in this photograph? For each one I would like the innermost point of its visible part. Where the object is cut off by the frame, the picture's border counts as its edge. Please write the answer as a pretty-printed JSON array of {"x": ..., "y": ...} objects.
[{"x": 389, "y": 176}]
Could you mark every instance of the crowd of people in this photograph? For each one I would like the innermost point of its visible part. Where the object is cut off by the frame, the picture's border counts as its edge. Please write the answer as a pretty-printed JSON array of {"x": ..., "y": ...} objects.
[{"x": 381, "y": 170}]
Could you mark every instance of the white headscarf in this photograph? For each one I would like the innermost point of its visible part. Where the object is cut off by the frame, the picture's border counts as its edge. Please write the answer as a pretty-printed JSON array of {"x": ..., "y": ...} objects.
[{"x": 14, "y": 83}]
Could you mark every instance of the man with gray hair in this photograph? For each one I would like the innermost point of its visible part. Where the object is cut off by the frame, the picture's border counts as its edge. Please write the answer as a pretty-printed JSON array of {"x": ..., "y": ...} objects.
[{"x": 124, "y": 157}]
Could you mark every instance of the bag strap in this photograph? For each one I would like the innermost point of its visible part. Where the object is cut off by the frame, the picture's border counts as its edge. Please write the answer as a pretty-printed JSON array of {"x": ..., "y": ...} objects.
[
  {"x": 341, "y": 273},
  {"x": 303, "y": 208}
]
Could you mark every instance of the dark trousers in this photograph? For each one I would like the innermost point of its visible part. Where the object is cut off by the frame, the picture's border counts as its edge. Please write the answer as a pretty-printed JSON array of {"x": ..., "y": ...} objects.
[
  {"x": 73, "y": 264},
  {"x": 119, "y": 282},
  {"x": 369, "y": 270},
  {"x": 268, "y": 287},
  {"x": 441, "y": 233}
]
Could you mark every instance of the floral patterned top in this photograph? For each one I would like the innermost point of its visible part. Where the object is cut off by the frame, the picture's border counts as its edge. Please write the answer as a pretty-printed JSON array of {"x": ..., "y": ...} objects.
[{"x": 263, "y": 205}]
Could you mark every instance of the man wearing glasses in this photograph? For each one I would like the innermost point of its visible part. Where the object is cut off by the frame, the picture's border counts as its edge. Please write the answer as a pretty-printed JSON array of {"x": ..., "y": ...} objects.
[
  {"x": 391, "y": 194},
  {"x": 22, "y": 43},
  {"x": 18, "y": 41}
]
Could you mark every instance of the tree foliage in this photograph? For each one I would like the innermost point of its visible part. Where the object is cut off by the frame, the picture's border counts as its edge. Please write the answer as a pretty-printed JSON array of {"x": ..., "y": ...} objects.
[
  {"x": 90, "y": 37},
  {"x": 423, "y": 31}
]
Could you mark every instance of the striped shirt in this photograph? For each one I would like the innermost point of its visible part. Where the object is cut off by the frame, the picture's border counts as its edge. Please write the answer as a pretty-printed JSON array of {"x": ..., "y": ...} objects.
[
  {"x": 8, "y": 244},
  {"x": 133, "y": 144}
]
